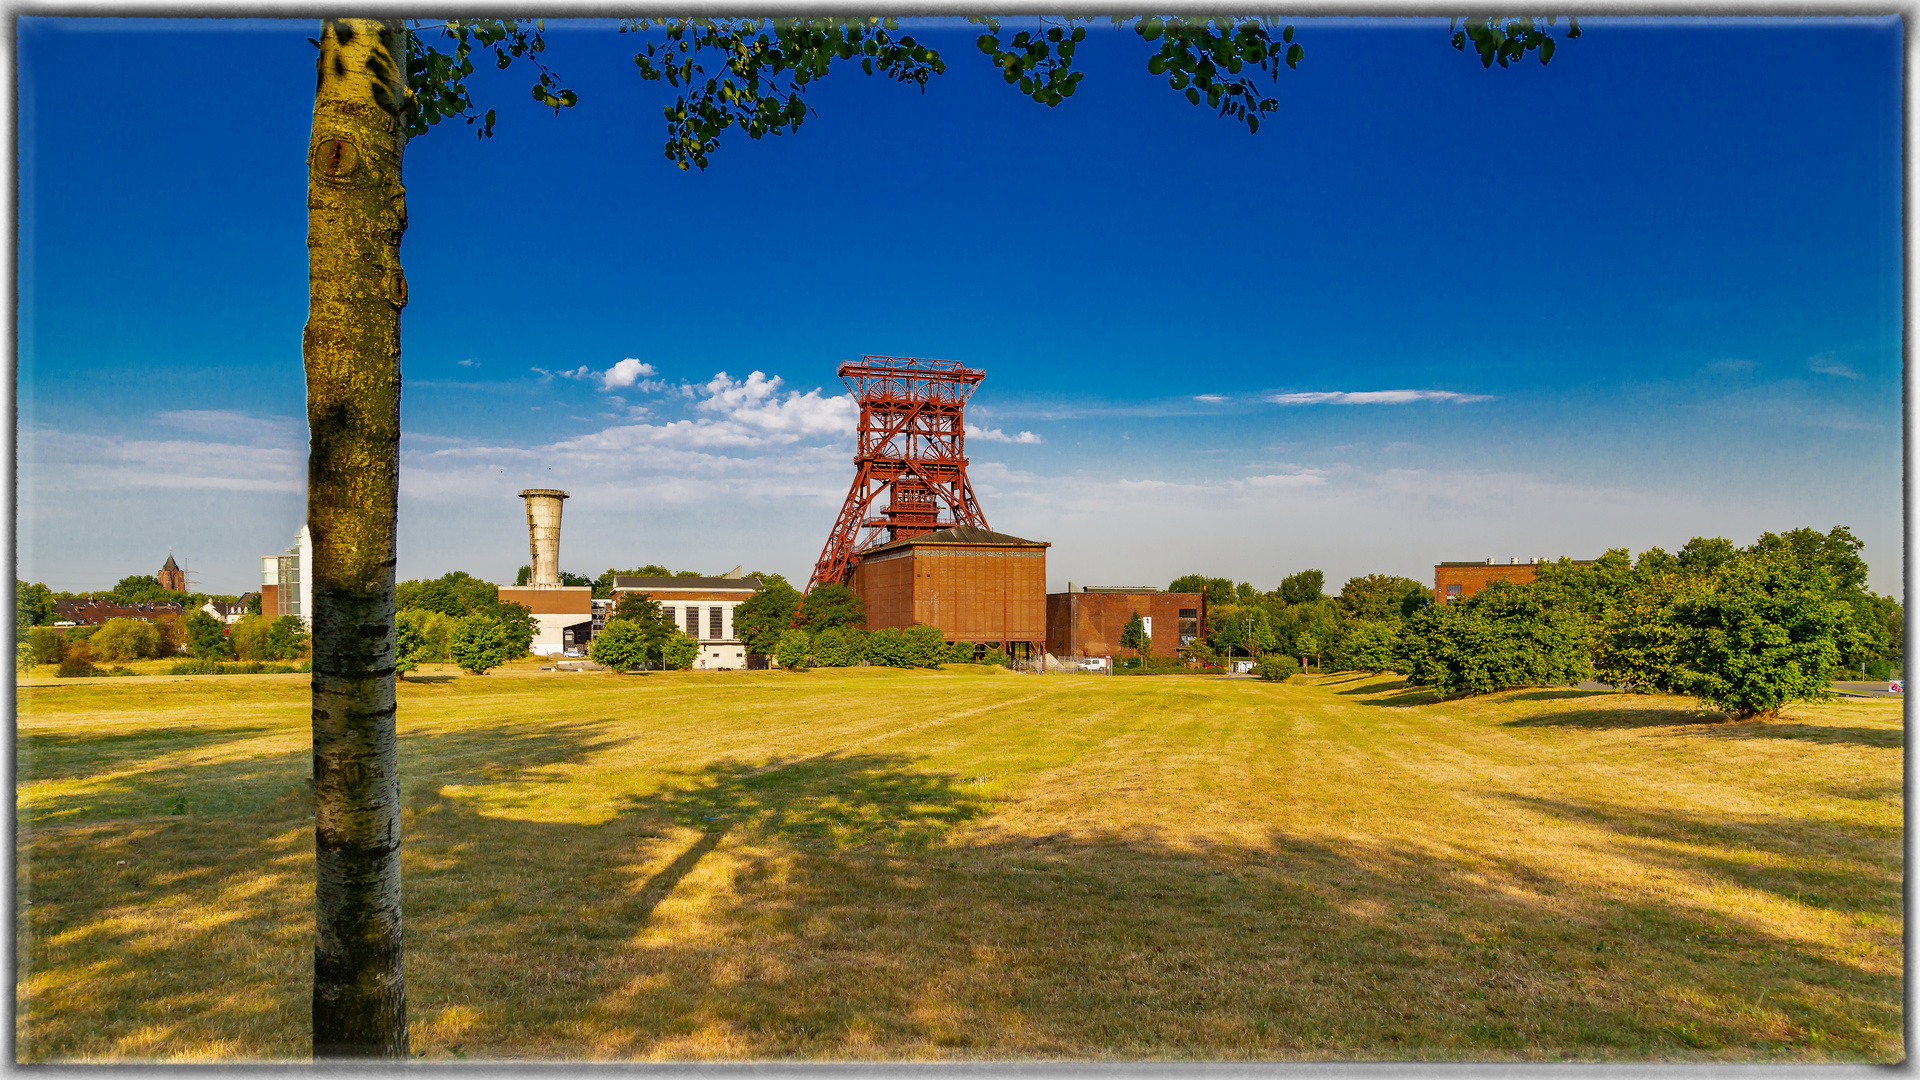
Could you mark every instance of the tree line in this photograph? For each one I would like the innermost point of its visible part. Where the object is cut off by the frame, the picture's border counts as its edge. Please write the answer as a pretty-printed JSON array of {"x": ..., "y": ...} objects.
[{"x": 1742, "y": 629}]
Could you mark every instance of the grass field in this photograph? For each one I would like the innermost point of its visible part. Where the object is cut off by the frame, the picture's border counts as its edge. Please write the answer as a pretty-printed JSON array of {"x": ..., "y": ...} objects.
[{"x": 968, "y": 864}]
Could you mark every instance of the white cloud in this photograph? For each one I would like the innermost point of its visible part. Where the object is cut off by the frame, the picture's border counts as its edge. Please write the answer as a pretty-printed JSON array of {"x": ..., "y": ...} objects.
[
  {"x": 469, "y": 363},
  {"x": 1214, "y": 399},
  {"x": 1827, "y": 363},
  {"x": 232, "y": 424},
  {"x": 987, "y": 434},
  {"x": 1286, "y": 480},
  {"x": 1372, "y": 397},
  {"x": 627, "y": 372},
  {"x": 755, "y": 403},
  {"x": 64, "y": 462}
]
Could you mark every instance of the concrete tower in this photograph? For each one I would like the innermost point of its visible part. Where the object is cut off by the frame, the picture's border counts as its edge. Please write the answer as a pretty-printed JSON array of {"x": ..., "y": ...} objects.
[{"x": 543, "y": 535}]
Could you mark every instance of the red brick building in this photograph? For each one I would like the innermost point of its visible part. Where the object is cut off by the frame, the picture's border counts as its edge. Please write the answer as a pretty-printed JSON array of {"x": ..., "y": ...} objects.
[
  {"x": 171, "y": 576},
  {"x": 1459, "y": 580},
  {"x": 974, "y": 584},
  {"x": 1088, "y": 621}
]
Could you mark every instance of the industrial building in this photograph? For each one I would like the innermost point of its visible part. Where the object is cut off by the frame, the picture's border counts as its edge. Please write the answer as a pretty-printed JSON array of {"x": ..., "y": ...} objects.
[
  {"x": 700, "y": 606},
  {"x": 974, "y": 584},
  {"x": 562, "y": 614},
  {"x": 926, "y": 555},
  {"x": 286, "y": 581},
  {"x": 1087, "y": 621},
  {"x": 1458, "y": 580}
]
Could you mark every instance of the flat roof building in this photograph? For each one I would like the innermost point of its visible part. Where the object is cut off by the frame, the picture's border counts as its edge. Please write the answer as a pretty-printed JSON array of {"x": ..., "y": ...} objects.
[
  {"x": 1088, "y": 620},
  {"x": 1458, "y": 580},
  {"x": 974, "y": 584},
  {"x": 702, "y": 607}
]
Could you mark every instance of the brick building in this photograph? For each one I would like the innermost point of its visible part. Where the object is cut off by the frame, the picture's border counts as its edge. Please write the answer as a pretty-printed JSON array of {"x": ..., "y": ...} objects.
[
  {"x": 700, "y": 606},
  {"x": 76, "y": 612},
  {"x": 171, "y": 577},
  {"x": 1459, "y": 580},
  {"x": 1088, "y": 621},
  {"x": 974, "y": 584}
]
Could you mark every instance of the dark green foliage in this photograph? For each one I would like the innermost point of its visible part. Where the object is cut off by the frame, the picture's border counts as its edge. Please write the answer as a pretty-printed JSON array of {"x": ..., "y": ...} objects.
[
  {"x": 996, "y": 657},
  {"x": 208, "y": 666},
  {"x": 1310, "y": 628},
  {"x": 1218, "y": 590},
  {"x": 761, "y": 620},
  {"x": 253, "y": 603},
  {"x": 1134, "y": 636},
  {"x": 1303, "y": 587},
  {"x": 768, "y": 64},
  {"x": 207, "y": 637},
  {"x": 1246, "y": 629},
  {"x": 1502, "y": 636},
  {"x": 410, "y": 644},
  {"x": 1763, "y": 629},
  {"x": 603, "y": 585},
  {"x": 142, "y": 589},
  {"x": 286, "y": 639},
  {"x": 916, "y": 646},
  {"x": 837, "y": 646},
  {"x": 960, "y": 652},
  {"x": 830, "y": 606},
  {"x": 1506, "y": 39},
  {"x": 438, "y": 80},
  {"x": 457, "y": 594},
  {"x": 680, "y": 651},
  {"x": 75, "y": 666},
  {"x": 644, "y": 613},
  {"x": 790, "y": 652},
  {"x": 1277, "y": 667},
  {"x": 1380, "y": 597},
  {"x": 32, "y": 605},
  {"x": 524, "y": 575},
  {"x": 1704, "y": 555},
  {"x": 478, "y": 644}
]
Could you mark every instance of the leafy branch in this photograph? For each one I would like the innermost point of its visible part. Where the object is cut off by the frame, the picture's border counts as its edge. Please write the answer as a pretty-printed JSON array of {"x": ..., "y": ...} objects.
[
  {"x": 438, "y": 79},
  {"x": 1509, "y": 39}
]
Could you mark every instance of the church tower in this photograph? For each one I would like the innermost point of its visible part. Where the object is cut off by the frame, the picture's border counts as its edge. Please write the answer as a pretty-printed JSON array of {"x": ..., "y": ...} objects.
[{"x": 171, "y": 576}]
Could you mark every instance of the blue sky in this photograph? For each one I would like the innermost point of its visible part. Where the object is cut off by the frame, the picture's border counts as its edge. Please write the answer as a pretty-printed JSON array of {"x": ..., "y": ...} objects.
[{"x": 1647, "y": 292}]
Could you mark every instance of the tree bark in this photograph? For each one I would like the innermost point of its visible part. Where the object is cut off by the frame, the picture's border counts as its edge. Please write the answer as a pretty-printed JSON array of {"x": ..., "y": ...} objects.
[{"x": 356, "y": 213}]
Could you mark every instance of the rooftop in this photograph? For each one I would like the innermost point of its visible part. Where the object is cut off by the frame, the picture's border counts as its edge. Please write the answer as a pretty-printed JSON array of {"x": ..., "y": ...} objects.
[
  {"x": 702, "y": 584},
  {"x": 960, "y": 534}
]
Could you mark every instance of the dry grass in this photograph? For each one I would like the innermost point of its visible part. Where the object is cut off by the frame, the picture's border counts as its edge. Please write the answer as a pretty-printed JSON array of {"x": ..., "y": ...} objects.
[{"x": 891, "y": 865}]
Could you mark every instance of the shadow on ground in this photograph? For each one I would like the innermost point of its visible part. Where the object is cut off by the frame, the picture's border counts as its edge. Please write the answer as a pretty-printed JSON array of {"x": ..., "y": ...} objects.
[{"x": 834, "y": 907}]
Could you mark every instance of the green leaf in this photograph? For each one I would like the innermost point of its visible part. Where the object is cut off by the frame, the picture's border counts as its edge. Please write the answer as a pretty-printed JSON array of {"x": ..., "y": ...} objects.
[
  {"x": 1287, "y": 34},
  {"x": 1295, "y": 53},
  {"x": 1193, "y": 96}
]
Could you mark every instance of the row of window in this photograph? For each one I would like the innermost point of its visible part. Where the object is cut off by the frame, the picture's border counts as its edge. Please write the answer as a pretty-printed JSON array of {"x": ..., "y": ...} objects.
[{"x": 716, "y": 617}]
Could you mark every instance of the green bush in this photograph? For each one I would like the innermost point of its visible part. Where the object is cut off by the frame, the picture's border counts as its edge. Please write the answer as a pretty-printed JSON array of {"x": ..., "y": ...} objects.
[
  {"x": 23, "y": 657},
  {"x": 1277, "y": 667},
  {"x": 208, "y": 666},
  {"x": 48, "y": 646},
  {"x": 622, "y": 645},
  {"x": 1367, "y": 646},
  {"x": 681, "y": 650},
  {"x": 479, "y": 644},
  {"x": 925, "y": 646},
  {"x": 126, "y": 639},
  {"x": 996, "y": 657},
  {"x": 207, "y": 636},
  {"x": 887, "y": 647},
  {"x": 960, "y": 652},
  {"x": 837, "y": 646},
  {"x": 1503, "y": 636},
  {"x": 790, "y": 652}
]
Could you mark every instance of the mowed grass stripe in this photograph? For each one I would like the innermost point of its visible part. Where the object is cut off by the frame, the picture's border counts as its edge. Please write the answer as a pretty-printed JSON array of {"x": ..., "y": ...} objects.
[{"x": 963, "y": 864}]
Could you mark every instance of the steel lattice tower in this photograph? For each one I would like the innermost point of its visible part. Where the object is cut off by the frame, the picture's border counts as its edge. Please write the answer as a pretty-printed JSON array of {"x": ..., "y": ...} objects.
[{"x": 913, "y": 436}]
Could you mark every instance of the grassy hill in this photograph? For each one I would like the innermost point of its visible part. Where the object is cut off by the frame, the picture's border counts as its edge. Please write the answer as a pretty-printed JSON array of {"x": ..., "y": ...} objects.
[{"x": 969, "y": 864}]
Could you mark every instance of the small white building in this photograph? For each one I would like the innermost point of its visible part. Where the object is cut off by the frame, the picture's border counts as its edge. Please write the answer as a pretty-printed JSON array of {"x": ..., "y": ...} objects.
[{"x": 702, "y": 607}]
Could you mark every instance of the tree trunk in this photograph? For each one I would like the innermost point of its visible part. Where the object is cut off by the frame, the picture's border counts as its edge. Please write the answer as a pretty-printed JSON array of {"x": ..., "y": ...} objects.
[{"x": 356, "y": 213}]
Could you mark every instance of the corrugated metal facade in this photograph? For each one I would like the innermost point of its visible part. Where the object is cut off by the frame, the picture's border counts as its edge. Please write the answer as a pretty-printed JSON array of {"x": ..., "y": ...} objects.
[{"x": 986, "y": 593}]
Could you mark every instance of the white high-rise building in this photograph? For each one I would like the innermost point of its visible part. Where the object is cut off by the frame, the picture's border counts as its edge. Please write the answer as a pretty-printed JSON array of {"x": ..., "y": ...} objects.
[{"x": 286, "y": 581}]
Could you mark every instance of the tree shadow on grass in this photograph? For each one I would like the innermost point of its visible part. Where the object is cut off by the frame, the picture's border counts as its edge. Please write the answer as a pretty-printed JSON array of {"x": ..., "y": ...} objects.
[
  {"x": 1622, "y": 718},
  {"x": 1559, "y": 694},
  {"x": 45, "y": 755},
  {"x": 1396, "y": 694},
  {"x": 838, "y": 906},
  {"x": 1890, "y": 738}
]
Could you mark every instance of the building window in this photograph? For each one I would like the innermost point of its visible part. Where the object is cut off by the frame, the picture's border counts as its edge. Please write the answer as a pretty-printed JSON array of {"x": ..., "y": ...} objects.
[
  {"x": 1453, "y": 593},
  {"x": 693, "y": 621},
  {"x": 671, "y": 614},
  {"x": 713, "y": 621},
  {"x": 1189, "y": 625}
]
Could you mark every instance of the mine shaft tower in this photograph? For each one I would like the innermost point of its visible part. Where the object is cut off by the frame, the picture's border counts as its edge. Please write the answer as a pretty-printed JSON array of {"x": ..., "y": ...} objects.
[{"x": 912, "y": 447}]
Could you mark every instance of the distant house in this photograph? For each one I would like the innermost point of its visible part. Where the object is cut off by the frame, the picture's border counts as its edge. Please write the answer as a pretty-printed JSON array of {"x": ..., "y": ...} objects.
[
  {"x": 93, "y": 612},
  {"x": 226, "y": 612},
  {"x": 1455, "y": 581}
]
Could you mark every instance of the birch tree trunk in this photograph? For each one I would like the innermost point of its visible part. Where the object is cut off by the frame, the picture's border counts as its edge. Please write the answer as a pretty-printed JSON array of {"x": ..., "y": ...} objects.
[{"x": 356, "y": 213}]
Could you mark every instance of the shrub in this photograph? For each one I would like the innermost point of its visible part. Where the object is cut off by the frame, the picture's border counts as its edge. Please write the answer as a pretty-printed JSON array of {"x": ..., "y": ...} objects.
[
  {"x": 207, "y": 636},
  {"x": 622, "y": 645},
  {"x": 479, "y": 644},
  {"x": 48, "y": 646},
  {"x": 924, "y": 646},
  {"x": 1368, "y": 646},
  {"x": 23, "y": 657},
  {"x": 681, "y": 650},
  {"x": 837, "y": 647},
  {"x": 286, "y": 639},
  {"x": 248, "y": 636},
  {"x": 997, "y": 657},
  {"x": 75, "y": 666},
  {"x": 126, "y": 639},
  {"x": 202, "y": 666},
  {"x": 790, "y": 652},
  {"x": 409, "y": 642},
  {"x": 1277, "y": 667},
  {"x": 888, "y": 648},
  {"x": 960, "y": 652},
  {"x": 1500, "y": 637}
]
